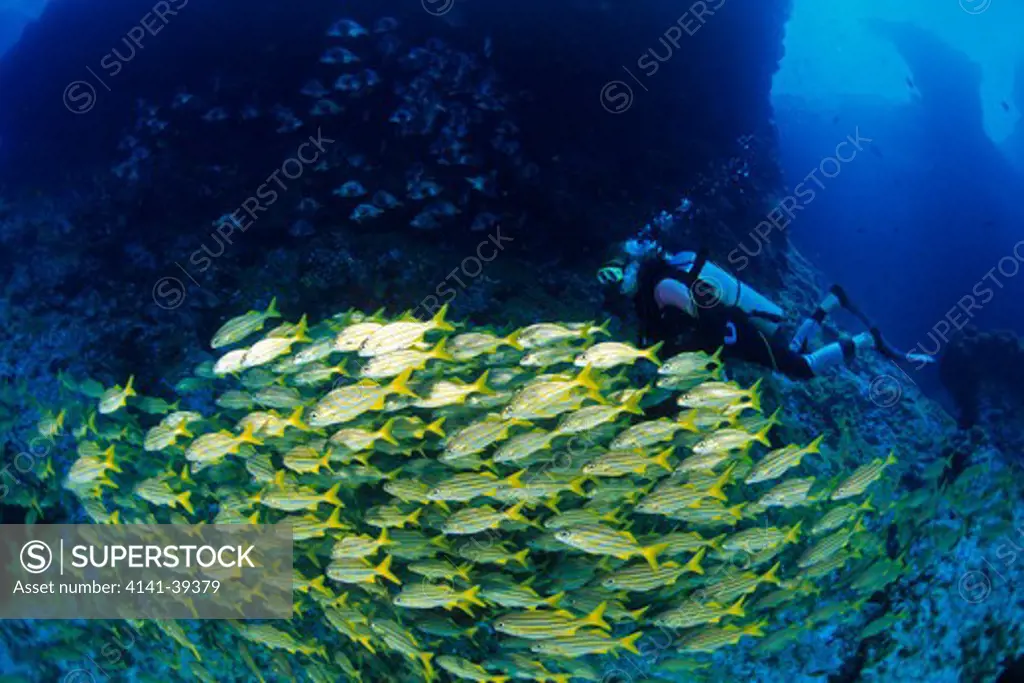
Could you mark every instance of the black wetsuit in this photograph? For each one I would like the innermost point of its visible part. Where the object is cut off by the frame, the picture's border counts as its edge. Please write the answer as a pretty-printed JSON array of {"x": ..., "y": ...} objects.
[{"x": 717, "y": 325}]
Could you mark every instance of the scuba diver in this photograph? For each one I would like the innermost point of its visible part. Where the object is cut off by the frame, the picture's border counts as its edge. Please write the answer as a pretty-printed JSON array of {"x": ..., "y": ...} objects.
[{"x": 690, "y": 304}]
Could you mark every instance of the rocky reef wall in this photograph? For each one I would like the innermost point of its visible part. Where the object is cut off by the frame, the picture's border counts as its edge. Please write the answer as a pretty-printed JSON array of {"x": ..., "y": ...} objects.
[{"x": 622, "y": 105}]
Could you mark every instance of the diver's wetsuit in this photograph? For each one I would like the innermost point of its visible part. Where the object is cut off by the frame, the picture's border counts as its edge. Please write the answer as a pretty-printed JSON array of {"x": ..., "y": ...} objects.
[{"x": 670, "y": 308}]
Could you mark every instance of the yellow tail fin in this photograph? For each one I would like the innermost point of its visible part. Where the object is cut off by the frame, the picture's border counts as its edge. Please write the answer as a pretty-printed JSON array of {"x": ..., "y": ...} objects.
[
  {"x": 295, "y": 420},
  {"x": 480, "y": 385},
  {"x": 522, "y": 557},
  {"x": 576, "y": 486},
  {"x": 439, "y": 353},
  {"x": 129, "y": 388},
  {"x": 108, "y": 462},
  {"x": 425, "y": 657},
  {"x": 334, "y": 521},
  {"x": 515, "y": 513},
  {"x": 271, "y": 311},
  {"x": 637, "y": 613},
  {"x": 586, "y": 379},
  {"x": 772, "y": 575},
  {"x": 470, "y": 595},
  {"x": 693, "y": 565},
  {"x": 300, "y": 330},
  {"x": 755, "y": 396},
  {"x": 318, "y": 585},
  {"x": 755, "y": 629},
  {"x": 591, "y": 330},
  {"x": 515, "y": 480},
  {"x": 716, "y": 489},
  {"x": 414, "y": 517},
  {"x": 629, "y": 642},
  {"x": 632, "y": 404},
  {"x": 384, "y": 569},
  {"x": 661, "y": 459},
  {"x": 689, "y": 422},
  {"x": 513, "y": 341},
  {"x": 651, "y": 354},
  {"x": 383, "y": 539},
  {"x": 325, "y": 462},
  {"x": 184, "y": 499},
  {"x": 435, "y": 427},
  {"x": 332, "y": 496},
  {"x": 553, "y": 600},
  {"x": 793, "y": 535},
  {"x": 438, "y": 321},
  {"x": 247, "y": 436},
  {"x": 651, "y": 553},
  {"x": 736, "y": 609},
  {"x": 399, "y": 385},
  {"x": 596, "y": 618},
  {"x": 552, "y": 503},
  {"x": 463, "y": 571},
  {"x": 385, "y": 433}
]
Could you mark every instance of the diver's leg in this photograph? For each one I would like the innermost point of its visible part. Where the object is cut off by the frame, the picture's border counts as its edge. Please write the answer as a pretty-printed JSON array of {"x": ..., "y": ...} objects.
[
  {"x": 838, "y": 353},
  {"x": 811, "y": 326},
  {"x": 894, "y": 354}
]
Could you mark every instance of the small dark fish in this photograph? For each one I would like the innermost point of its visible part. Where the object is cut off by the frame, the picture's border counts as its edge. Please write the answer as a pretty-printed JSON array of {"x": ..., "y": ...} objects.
[
  {"x": 1004, "y": 105},
  {"x": 910, "y": 84}
]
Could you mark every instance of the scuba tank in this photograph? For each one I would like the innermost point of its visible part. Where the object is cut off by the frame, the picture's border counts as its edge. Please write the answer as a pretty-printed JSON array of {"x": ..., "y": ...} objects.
[{"x": 727, "y": 288}]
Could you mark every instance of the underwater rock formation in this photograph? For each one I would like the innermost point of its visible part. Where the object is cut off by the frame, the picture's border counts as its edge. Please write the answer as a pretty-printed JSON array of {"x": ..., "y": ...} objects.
[{"x": 984, "y": 372}]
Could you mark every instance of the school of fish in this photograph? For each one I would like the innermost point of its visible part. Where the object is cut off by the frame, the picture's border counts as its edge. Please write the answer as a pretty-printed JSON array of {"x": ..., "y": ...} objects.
[{"x": 487, "y": 506}]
